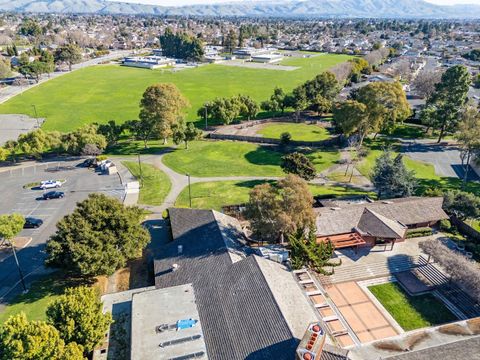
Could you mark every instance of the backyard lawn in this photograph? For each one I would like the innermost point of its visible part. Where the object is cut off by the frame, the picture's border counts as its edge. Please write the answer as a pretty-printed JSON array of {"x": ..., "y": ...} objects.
[
  {"x": 228, "y": 158},
  {"x": 155, "y": 186},
  {"x": 111, "y": 92},
  {"x": 299, "y": 132},
  {"x": 411, "y": 312}
]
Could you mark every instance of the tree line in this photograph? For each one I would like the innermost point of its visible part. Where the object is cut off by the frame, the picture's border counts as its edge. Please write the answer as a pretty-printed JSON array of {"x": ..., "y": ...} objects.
[{"x": 181, "y": 46}]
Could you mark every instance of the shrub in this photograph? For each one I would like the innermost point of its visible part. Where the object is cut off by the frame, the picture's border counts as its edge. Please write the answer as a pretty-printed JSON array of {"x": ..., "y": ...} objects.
[
  {"x": 285, "y": 138},
  {"x": 414, "y": 233},
  {"x": 445, "y": 225}
]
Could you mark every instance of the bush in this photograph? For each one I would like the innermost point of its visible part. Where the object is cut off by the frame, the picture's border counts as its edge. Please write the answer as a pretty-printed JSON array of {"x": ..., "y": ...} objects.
[
  {"x": 285, "y": 138},
  {"x": 101, "y": 158},
  {"x": 414, "y": 233},
  {"x": 445, "y": 225}
]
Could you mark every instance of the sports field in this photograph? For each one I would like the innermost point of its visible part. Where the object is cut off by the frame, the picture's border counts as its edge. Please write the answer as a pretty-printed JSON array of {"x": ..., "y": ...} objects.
[{"x": 111, "y": 92}]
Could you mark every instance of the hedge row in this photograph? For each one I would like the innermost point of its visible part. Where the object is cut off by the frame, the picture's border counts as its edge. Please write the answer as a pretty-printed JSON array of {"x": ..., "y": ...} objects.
[{"x": 414, "y": 233}]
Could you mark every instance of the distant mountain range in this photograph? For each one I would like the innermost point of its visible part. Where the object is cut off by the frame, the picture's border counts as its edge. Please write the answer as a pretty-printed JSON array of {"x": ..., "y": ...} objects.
[{"x": 252, "y": 8}]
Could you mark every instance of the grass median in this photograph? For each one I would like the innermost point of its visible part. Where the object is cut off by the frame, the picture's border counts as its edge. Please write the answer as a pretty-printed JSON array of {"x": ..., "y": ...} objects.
[{"x": 155, "y": 185}]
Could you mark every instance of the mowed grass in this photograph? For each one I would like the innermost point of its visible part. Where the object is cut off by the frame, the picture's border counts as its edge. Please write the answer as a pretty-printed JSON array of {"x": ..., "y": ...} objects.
[
  {"x": 411, "y": 312},
  {"x": 155, "y": 185},
  {"x": 216, "y": 194},
  {"x": 35, "y": 302},
  {"x": 228, "y": 158},
  {"x": 111, "y": 92},
  {"x": 299, "y": 132}
]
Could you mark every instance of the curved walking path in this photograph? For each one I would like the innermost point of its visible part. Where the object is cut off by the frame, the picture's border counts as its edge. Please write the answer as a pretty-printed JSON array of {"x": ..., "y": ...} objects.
[{"x": 180, "y": 181}]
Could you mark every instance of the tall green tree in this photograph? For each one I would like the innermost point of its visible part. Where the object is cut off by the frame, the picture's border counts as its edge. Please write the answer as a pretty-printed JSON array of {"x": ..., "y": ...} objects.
[
  {"x": 248, "y": 107},
  {"x": 185, "y": 133},
  {"x": 78, "y": 316},
  {"x": 11, "y": 225},
  {"x": 391, "y": 178},
  {"x": 298, "y": 164},
  {"x": 468, "y": 135},
  {"x": 463, "y": 205},
  {"x": 97, "y": 238},
  {"x": 230, "y": 41},
  {"x": 181, "y": 45},
  {"x": 350, "y": 117},
  {"x": 275, "y": 212},
  {"x": 23, "y": 339},
  {"x": 161, "y": 106},
  {"x": 70, "y": 54},
  {"x": 76, "y": 141},
  {"x": 449, "y": 99},
  {"x": 111, "y": 131},
  {"x": 37, "y": 142}
]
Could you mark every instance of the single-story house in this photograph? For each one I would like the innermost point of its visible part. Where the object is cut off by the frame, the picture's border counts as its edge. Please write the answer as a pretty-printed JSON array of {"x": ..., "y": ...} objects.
[{"x": 357, "y": 224}]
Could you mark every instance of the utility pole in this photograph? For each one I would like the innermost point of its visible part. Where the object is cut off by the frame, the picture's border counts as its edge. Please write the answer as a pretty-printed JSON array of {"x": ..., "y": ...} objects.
[
  {"x": 36, "y": 115},
  {"x": 206, "y": 116},
  {"x": 189, "y": 190},
  {"x": 140, "y": 169},
  {"x": 18, "y": 266}
]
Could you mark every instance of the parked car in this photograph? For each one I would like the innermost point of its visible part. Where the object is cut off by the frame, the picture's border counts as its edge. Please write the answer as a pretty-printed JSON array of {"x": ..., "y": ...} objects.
[
  {"x": 50, "y": 184},
  {"x": 53, "y": 195},
  {"x": 32, "y": 223}
]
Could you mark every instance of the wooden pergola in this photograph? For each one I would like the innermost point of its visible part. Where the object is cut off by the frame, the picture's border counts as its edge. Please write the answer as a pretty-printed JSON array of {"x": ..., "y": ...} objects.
[{"x": 343, "y": 240}]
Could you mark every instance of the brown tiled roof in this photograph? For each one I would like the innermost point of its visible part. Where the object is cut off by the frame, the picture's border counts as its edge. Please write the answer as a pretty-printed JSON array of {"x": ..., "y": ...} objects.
[{"x": 407, "y": 211}]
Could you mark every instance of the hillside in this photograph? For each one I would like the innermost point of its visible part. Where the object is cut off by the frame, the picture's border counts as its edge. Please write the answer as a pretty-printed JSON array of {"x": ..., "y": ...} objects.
[{"x": 278, "y": 8}]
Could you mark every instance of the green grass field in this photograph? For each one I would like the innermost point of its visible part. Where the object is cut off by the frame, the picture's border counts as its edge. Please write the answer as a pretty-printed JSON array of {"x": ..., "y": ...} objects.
[
  {"x": 155, "y": 185},
  {"x": 39, "y": 296},
  {"x": 299, "y": 132},
  {"x": 215, "y": 195},
  {"x": 411, "y": 312},
  {"x": 111, "y": 92},
  {"x": 228, "y": 158}
]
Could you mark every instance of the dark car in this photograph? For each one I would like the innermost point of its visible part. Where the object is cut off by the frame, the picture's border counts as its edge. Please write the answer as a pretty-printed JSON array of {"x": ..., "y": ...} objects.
[
  {"x": 32, "y": 223},
  {"x": 89, "y": 163},
  {"x": 53, "y": 195}
]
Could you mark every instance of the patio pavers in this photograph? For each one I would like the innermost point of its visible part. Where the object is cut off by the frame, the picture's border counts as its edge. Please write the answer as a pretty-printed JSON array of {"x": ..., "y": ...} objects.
[{"x": 361, "y": 314}]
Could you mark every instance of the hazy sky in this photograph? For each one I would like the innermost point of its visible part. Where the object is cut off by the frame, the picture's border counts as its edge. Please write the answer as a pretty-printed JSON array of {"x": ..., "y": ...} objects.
[{"x": 188, "y": 2}]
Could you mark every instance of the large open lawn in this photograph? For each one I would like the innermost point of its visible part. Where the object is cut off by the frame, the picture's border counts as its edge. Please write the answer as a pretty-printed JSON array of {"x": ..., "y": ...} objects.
[
  {"x": 411, "y": 312},
  {"x": 105, "y": 92},
  {"x": 228, "y": 158},
  {"x": 155, "y": 184},
  {"x": 299, "y": 132}
]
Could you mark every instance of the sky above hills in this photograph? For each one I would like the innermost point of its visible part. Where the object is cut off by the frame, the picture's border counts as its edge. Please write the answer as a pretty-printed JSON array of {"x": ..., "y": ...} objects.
[{"x": 192, "y": 2}]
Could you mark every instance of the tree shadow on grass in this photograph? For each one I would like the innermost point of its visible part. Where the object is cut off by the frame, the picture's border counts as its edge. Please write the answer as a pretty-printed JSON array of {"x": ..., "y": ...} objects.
[
  {"x": 447, "y": 183},
  {"x": 136, "y": 147},
  {"x": 264, "y": 155},
  {"x": 250, "y": 184}
]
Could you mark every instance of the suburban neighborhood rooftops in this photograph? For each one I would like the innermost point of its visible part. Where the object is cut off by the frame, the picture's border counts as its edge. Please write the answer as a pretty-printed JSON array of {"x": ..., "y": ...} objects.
[
  {"x": 157, "y": 319},
  {"x": 406, "y": 211}
]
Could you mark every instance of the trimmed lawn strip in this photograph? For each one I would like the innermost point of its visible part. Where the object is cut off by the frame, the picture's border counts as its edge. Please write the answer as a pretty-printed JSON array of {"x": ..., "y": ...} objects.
[
  {"x": 216, "y": 194},
  {"x": 102, "y": 93},
  {"x": 229, "y": 158},
  {"x": 40, "y": 294},
  {"x": 299, "y": 132},
  {"x": 411, "y": 312},
  {"x": 156, "y": 184}
]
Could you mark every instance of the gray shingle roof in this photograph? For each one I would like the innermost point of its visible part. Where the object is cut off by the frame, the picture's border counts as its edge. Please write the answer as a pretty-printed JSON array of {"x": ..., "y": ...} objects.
[
  {"x": 377, "y": 225},
  {"x": 408, "y": 211},
  {"x": 239, "y": 315},
  {"x": 464, "y": 350}
]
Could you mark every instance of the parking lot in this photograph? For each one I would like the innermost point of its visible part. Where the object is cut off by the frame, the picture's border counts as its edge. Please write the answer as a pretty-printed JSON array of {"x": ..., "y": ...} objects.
[{"x": 16, "y": 197}]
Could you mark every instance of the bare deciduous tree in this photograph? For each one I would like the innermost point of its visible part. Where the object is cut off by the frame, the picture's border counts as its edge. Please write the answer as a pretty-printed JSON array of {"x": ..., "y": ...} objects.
[{"x": 424, "y": 83}]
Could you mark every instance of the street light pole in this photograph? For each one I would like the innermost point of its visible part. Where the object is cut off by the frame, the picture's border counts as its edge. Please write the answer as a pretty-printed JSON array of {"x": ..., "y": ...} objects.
[
  {"x": 36, "y": 115},
  {"x": 18, "y": 266},
  {"x": 206, "y": 117},
  {"x": 189, "y": 190}
]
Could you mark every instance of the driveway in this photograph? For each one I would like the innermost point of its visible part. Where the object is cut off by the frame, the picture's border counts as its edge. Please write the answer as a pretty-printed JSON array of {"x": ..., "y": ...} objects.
[
  {"x": 445, "y": 159},
  {"x": 80, "y": 182}
]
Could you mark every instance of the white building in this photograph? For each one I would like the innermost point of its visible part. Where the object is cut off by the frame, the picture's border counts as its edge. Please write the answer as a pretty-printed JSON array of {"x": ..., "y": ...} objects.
[{"x": 148, "y": 62}]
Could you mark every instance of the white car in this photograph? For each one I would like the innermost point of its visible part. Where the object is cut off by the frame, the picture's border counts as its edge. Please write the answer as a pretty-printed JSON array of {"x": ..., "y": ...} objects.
[{"x": 50, "y": 184}]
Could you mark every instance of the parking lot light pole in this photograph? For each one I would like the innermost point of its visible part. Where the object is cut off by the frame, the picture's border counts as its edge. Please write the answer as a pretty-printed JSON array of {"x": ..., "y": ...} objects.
[
  {"x": 189, "y": 190},
  {"x": 18, "y": 266}
]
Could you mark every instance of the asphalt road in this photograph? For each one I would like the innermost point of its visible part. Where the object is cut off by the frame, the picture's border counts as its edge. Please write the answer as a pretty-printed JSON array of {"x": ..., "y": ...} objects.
[{"x": 80, "y": 182}]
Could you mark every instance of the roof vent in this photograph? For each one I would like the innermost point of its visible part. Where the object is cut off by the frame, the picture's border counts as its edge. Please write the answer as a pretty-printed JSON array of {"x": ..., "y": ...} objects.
[
  {"x": 175, "y": 267},
  {"x": 180, "y": 249},
  {"x": 335, "y": 208},
  {"x": 387, "y": 202}
]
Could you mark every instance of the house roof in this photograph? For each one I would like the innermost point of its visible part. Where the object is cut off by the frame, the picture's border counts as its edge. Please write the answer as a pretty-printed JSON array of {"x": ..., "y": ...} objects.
[
  {"x": 242, "y": 309},
  {"x": 464, "y": 349},
  {"x": 407, "y": 211},
  {"x": 374, "y": 224}
]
